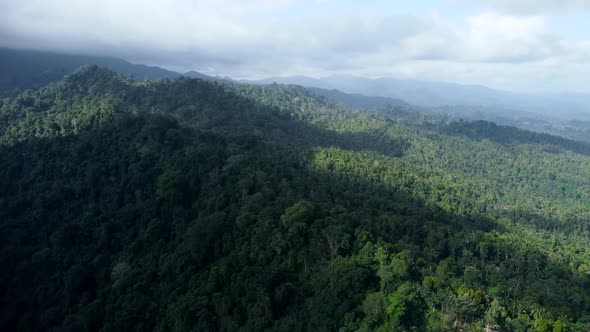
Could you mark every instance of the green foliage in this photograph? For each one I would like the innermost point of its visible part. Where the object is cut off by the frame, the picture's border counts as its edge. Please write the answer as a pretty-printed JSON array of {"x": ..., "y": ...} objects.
[
  {"x": 169, "y": 186},
  {"x": 191, "y": 205},
  {"x": 404, "y": 305}
]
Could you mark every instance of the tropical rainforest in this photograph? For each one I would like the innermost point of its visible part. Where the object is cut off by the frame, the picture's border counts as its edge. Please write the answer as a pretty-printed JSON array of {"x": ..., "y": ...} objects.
[{"x": 192, "y": 205}]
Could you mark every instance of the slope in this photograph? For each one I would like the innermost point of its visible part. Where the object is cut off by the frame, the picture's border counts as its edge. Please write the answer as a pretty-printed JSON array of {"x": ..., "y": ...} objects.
[
  {"x": 24, "y": 69},
  {"x": 194, "y": 205}
]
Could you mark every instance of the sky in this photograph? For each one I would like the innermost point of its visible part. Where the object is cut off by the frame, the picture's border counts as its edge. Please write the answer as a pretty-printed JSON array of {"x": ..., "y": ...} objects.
[{"x": 518, "y": 45}]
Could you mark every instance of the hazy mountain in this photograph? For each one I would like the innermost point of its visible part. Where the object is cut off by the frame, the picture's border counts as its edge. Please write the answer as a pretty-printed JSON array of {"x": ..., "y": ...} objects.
[
  {"x": 565, "y": 115},
  {"x": 436, "y": 94},
  {"x": 25, "y": 69},
  {"x": 196, "y": 74},
  {"x": 577, "y": 129},
  {"x": 424, "y": 93},
  {"x": 356, "y": 100}
]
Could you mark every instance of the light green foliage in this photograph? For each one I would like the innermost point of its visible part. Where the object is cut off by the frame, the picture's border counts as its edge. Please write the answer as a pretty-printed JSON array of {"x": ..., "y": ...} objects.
[{"x": 404, "y": 305}]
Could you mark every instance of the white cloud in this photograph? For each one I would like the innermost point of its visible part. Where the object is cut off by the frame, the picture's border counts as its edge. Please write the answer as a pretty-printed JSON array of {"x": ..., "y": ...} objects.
[
  {"x": 538, "y": 6},
  {"x": 493, "y": 37},
  {"x": 484, "y": 38},
  {"x": 258, "y": 38}
]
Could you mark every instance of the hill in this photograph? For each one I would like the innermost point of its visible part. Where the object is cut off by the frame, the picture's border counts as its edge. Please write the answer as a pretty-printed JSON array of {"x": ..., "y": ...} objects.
[
  {"x": 444, "y": 94},
  {"x": 25, "y": 69},
  {"x": 557, "y": 114},
  {"x": 572, "y": 128},
  {"x": 421, "y": 93},
  {"x": 196, "y": 205},
  {"x": 356, "y": 100},
  {"x": 563, "y": 115}
]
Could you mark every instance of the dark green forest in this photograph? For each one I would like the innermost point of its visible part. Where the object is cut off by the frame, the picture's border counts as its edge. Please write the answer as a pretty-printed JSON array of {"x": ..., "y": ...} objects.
[{"x": 190, "y": 205}]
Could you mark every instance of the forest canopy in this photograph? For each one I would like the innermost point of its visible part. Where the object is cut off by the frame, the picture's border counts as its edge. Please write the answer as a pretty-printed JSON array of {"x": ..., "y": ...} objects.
[{"x": 191, "y": 205}]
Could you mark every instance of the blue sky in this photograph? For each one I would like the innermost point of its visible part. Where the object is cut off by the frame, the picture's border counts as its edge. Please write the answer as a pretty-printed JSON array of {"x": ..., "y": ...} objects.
[{"x": 520, "y": 45}]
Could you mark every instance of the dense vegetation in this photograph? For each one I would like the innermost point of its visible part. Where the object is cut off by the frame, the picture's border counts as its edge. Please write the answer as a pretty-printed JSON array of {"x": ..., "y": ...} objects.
[
  {"x": 355, "y": 100},
  {"x": 573, "y": 126},
  {"x": 192, "y": 205}
]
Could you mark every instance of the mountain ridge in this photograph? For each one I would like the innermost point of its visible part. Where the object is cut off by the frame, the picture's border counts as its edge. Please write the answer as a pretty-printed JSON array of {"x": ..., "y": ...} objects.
[
  {"x": 30, "y": 69},
  {"x": 440, "y": 94}
]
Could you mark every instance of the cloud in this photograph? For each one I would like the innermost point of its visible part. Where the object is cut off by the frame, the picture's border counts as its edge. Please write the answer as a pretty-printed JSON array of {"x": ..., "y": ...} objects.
[
  {"x": 483, "y": 38},
  {"x": 227, "y": 32},
  {"x": 259, "y": 38},
  {"x": 493, "y": 37},
  {"x": 532, "y": 7}
]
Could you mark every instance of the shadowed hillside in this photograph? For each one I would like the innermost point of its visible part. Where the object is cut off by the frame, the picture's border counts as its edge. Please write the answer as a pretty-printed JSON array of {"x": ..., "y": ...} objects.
[{"x": 193, "y": 205}]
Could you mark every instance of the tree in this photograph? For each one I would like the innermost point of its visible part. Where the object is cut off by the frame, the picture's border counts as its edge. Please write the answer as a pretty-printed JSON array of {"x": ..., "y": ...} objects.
[{"x": 337, "y": 239}]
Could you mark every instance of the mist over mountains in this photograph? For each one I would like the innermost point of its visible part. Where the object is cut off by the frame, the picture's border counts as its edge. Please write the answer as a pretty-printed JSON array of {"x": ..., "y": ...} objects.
[
  {"x": 560, "y": 114},
  {"x": 439, "y": 94},
  {"x": 43, "y": 67}
]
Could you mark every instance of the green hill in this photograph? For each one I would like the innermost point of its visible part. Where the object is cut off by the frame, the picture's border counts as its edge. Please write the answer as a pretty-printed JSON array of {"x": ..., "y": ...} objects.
[{"x": 193, "y": 205}]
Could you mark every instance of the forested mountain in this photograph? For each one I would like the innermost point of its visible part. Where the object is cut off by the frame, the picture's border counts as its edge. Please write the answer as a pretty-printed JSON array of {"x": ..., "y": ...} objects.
[
  {"x": 191, "y": 205},
  {"x": 578, "y": 130},
  {"x": 563, "y": 115},
  {"x": 24, "y": 69},
  {"x": 421, "y": 93},
  {"x": 356, "y": 100},
  {"x": 196, "y": 74},
  {"x": 441, "y": 94},
  {"x": 573, "y": 128}
]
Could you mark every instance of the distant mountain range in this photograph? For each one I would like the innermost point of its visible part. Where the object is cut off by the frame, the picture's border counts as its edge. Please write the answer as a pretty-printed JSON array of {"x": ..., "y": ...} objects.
[
  {"x": 357, "y": 100},
  {"x": 201, "y": 76},
  {"x": 566, "y": 115},
  {"x": 442, "y": 94},
  {"x": 23, "y": 69},
  {"x": 421, "y": 93}
]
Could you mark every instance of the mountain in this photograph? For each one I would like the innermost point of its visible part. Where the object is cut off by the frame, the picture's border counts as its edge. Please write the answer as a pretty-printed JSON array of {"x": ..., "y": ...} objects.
[
  {"x": 422, "y": 93},
  {"x": 356, "y": 100},
  {"x": 565, "y": 115},
  {"x": 194, "y": 205},
  {"x": 196, "y": 74},
  {"x": 439, "y": 94},
  {"x": 25, "y": 69},
  {"x": 576, "y": 129}
]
